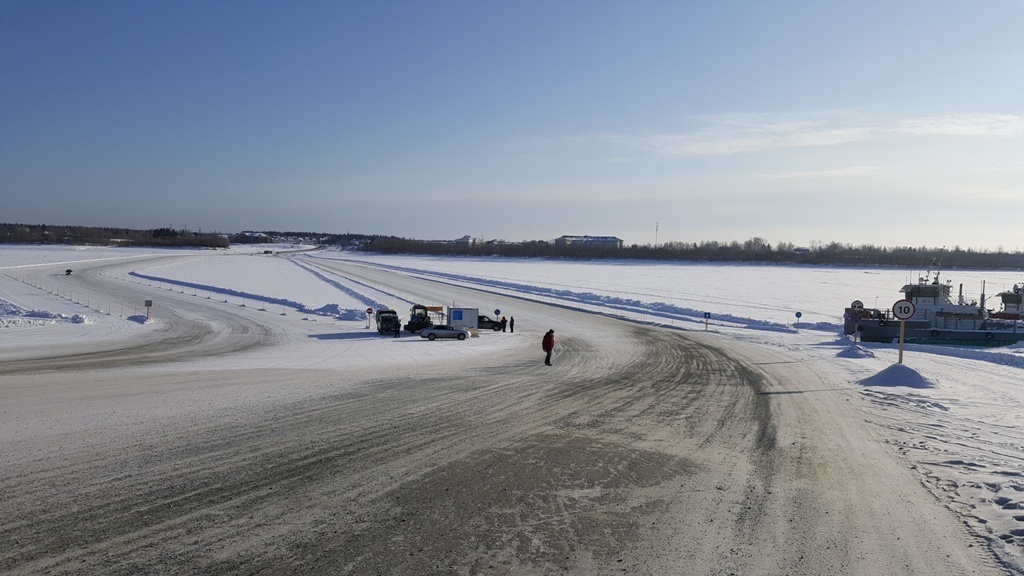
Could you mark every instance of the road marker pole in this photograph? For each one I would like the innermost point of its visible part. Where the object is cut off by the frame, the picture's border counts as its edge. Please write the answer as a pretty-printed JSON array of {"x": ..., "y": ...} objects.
[
  {"x": 903, "y": 310},
  {"x": 903, "y": 327}
]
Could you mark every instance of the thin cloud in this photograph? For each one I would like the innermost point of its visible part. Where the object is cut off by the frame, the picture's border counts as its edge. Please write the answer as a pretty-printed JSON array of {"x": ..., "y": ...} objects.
[
  {"x": 993, "y": 125},
  {"x": 727, "y": 135},
  {"x": 810, "y": 174},
  {"x": 729, "y": 140},
  {"x": 1003, "y": 196},
  {"x": 1000, "y": 168}
]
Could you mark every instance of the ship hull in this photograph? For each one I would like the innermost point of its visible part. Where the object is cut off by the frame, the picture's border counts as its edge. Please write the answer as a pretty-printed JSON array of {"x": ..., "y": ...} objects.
[{"x": 919, "y": 332}]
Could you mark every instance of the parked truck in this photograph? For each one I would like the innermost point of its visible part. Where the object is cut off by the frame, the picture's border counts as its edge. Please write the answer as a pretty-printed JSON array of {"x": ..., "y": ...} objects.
[{"x": 388, "y": 322}]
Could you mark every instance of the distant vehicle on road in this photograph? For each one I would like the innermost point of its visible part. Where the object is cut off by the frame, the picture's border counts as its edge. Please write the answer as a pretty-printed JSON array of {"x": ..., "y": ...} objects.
[
  {"x": 444, "y": 331},
  {"x": 486, "y": 323},
  {"x": 388, "y": 322},
  {"x": 68, "y": 272}
]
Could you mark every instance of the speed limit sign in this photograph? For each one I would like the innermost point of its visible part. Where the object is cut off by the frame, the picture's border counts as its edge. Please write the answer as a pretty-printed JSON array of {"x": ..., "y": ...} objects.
[{"x": 903, "y": 309}]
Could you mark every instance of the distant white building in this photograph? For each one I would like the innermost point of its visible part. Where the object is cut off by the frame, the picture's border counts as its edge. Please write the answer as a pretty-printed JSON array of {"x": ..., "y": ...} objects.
[{"x": 607, "y": 241}]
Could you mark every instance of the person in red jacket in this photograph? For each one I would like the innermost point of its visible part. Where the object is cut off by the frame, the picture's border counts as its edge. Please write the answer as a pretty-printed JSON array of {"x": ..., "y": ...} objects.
[{"x": 548, "y": 344}]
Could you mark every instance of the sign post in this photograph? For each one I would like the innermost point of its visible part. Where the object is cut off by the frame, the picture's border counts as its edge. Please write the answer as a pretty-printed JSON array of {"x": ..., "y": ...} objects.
[
  {"x": 798, "y": 315},
  {"x": 369, "y": 311},
  {"x": 707, "y": 316},
  {"x": 903, "y": 310},
  {"x": 857, "y": 306},
  {"x": 149, "y": 304}
]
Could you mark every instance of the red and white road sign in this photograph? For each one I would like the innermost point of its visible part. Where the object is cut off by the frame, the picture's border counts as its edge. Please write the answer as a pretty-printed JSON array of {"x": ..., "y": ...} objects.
[{"x": 903, "y": 309}]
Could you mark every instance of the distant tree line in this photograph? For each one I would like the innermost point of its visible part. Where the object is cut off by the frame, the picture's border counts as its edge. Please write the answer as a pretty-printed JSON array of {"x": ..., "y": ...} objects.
[
  {"x": 84, "y": 235},
  {"x": 320, "y": 239},
  {"x": 752, "y": 250},
  {"x": 533, "y": 248}
]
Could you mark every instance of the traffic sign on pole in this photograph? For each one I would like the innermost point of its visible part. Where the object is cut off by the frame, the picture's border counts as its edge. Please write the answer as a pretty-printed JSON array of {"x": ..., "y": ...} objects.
[{"x": 903, "y": 310}]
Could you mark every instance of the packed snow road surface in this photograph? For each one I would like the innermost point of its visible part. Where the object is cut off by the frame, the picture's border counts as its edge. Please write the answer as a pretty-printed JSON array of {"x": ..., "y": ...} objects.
[{"x": 641, "y": 451}]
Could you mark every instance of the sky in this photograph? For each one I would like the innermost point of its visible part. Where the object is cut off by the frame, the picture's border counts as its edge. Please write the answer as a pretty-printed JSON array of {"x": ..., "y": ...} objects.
[{"x": 892, "y": 124}]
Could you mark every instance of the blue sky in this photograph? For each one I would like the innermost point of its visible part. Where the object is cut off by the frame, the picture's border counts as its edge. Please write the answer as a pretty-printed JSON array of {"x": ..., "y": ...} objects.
[{"x": 806, "y": 122}]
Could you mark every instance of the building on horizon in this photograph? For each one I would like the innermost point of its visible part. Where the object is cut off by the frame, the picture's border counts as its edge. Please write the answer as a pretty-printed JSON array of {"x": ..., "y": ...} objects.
[{"x": 605, "y": 241}]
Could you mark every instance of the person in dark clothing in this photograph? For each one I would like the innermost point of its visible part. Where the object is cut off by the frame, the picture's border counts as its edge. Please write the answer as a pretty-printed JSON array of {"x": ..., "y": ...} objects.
[
  {"x": 548, "y": 344},
  {"x": 511, "y": 324},
  {"x": 504, "y": 323}
]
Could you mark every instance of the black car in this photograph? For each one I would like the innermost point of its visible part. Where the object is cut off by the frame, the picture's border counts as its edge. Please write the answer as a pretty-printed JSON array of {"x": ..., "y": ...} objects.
[{"x": 485, "y": 323}]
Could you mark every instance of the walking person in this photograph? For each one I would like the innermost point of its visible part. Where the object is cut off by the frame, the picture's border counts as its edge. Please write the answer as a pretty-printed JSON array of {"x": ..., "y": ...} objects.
[
  {"x": 511, "y": 324},
  {"x": 548, "y": 344},
  {"x": 504, "y": 323}
]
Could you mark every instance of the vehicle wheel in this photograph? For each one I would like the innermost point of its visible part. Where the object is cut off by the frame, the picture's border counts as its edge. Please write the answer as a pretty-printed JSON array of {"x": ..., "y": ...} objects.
[
  {"x": 431, "y": 336},
  {"x": 497, "y": 328},
  {"x": 462, "y": 336}
]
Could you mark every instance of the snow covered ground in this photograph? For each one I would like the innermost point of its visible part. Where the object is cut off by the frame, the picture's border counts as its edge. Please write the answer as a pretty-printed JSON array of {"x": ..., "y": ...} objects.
[{"x": 956, "y": 415}]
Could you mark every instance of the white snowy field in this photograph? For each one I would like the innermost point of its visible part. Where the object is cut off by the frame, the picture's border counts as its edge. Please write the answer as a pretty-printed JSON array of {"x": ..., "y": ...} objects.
[{"x": 955, "y": 415}]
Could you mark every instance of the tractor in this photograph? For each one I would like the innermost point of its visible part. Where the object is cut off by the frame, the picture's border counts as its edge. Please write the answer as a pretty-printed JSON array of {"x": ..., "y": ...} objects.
[{"x": 419, "y": 318}]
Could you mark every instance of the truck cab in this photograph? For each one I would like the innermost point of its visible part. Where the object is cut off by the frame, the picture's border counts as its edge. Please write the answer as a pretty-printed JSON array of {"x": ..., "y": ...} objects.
[{"x": 388, "y": 322}]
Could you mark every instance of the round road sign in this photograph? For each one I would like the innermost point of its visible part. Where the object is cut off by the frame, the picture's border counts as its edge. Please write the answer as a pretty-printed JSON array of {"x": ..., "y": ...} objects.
[
  {"x": 369, "y": 310},
  {"x": 903, "y": 309}
]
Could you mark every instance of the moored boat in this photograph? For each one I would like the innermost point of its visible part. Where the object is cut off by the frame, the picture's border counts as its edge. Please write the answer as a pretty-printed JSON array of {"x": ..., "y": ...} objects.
[
  {"x": 939, "y": 319},
  {"x": 1011, "y": 300}
]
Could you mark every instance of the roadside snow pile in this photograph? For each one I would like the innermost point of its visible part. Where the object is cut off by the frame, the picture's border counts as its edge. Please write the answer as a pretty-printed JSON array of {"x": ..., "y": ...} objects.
[
  {"x": 12, "y": 315},
  {"x": 337, "y": 311},
  {"x": 898, "y": 375},
  {"x": 327, "y": 310},
  {"x": 852, "y": 350}
]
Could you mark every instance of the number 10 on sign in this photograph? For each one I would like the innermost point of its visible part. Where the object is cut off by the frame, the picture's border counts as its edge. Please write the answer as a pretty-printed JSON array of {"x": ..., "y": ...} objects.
[{"x": 903, "y": 310}]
